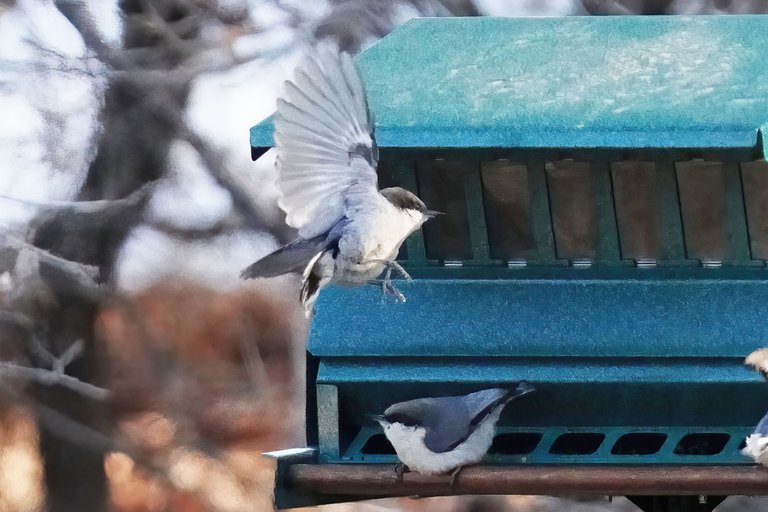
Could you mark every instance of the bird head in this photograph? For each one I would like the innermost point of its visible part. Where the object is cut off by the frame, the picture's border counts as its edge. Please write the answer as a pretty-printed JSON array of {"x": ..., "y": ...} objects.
[
  {"x": 408, "y": 202},
  {"x": 400, "y": 415}
]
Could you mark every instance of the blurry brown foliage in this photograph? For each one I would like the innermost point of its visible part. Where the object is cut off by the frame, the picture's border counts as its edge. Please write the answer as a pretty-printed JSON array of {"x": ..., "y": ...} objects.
[
  {"x": 202, "y": 384},
  {"x": 187, "y": 349}
]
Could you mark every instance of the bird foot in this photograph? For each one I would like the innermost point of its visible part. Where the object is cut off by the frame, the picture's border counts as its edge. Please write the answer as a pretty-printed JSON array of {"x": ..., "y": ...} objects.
[
  {"x": 400, "y": 468},
  {"x": 454, "y": 477},
  {"x": 395, "y": 265},
  {"x": 387, "y": 288},
  {"x": 400, "y": 270}
]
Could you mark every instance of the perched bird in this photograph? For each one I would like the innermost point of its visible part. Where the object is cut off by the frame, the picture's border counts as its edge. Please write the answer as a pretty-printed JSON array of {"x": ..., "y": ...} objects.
[
  {"x": 440, "y": 435},
  {"x": 349, "y": 230},
  {"x": 757, "y": 444}
]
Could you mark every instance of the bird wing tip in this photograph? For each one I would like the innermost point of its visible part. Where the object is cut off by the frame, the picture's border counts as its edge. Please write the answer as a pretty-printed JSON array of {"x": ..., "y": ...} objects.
[{"x": 247, "y": 273}]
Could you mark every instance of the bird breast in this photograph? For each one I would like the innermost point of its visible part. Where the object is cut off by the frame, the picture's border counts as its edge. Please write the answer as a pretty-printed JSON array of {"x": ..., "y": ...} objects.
[
  {"x": 757, "y": 448},
  {"x": 373, "y": 235},
  {"x": 408, "y": 443}
]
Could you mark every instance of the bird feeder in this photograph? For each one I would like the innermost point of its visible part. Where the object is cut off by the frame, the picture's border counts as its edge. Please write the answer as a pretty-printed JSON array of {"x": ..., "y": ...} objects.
[{"x": 605, "y": 237}]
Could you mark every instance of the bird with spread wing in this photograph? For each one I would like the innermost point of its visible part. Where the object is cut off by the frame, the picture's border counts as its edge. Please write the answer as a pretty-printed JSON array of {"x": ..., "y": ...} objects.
[{"x": 349, "y": 231}]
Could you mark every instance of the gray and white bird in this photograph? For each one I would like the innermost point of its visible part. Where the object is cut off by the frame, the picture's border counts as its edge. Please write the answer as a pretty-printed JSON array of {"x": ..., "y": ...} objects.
[
  {"x": 349, "y": 230},
  {"x": 436, "y": 436},
  {"x": 756, "y": 446}
]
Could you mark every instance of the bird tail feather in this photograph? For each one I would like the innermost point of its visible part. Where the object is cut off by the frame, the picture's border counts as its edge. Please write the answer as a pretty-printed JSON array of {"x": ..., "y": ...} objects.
[
  {"x": 482, "y": 403},
  {"x": 313, "y": 279},
  {"x": 293, "y": 257}
]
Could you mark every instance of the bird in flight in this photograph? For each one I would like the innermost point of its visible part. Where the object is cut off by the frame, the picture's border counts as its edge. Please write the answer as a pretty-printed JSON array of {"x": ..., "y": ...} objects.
[{"x": 349, "y": 231}]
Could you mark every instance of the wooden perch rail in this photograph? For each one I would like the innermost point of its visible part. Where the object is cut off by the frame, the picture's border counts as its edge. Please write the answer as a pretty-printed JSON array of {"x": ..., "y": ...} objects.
[{"x": 376, "y": 480}]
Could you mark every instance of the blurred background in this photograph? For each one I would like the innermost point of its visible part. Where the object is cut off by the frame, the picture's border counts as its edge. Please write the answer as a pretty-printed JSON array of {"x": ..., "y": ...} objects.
[{"x": 137, "y": 372}]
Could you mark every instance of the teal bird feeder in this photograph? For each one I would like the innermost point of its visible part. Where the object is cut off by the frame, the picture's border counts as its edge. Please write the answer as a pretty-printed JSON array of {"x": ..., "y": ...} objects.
[{"x": 605, "y": 238}]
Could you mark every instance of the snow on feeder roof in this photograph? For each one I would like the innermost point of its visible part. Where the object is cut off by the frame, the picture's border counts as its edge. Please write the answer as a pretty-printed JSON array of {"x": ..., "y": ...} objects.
[{"x": 592, "y": 82}]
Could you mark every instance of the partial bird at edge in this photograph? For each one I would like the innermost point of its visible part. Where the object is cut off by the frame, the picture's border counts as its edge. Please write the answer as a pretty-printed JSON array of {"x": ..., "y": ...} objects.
[{"x": 756, "y": 444}]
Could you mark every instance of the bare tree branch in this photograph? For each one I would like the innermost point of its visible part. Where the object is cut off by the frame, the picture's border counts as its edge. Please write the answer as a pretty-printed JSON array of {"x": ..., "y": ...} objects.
[
  {"x": 16, "y": 319},
  {"x": 70, "y": 354},
  {"x": 53, "y": 378},
  {"x": 89, "y": 232},
  {"x": 72, "y": 278},
  {"x": 229, "y": 224},
  {"x": 214, "y": 163},
  {"x": 352, "y": 22},
  {"x": 79, "y": 16},
  {"x": 83, "y": 435}
]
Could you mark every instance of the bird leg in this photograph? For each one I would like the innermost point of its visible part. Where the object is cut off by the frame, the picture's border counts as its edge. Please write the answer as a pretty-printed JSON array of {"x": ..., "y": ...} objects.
[
  {"x": 400, "y": 468},
  {"x": 395, "y": 265},
  {"x": 387, "y": 287},
  {"x": 400, "y": 270},
  {"x": 454, "y": 476}
]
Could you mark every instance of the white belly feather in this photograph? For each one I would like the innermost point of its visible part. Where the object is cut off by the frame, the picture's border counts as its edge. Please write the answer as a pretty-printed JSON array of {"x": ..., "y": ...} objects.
[
  {"x": 409, "y": 446},
  {"x": 372, "y": 237}
]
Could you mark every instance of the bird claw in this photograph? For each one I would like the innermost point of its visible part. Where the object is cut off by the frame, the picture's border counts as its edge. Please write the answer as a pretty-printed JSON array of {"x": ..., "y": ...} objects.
[
  {"x": 388, "y": 288},
  {"x": 454, "y": 476},
  {"x": 400, "y": 468},
  {"x": 395, "y": 265},
  {"x": 400, "y": 270}
]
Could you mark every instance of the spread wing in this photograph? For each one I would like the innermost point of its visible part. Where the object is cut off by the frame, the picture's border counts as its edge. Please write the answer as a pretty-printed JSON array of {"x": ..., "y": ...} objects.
[
  {"x": 762, "y": 427},
  {"x": 324, "y": 141}
]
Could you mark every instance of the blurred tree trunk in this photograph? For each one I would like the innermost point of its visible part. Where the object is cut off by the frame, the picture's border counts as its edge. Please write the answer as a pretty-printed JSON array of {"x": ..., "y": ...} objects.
[
  {"x": 132, "y": 151},
  {"x": 74, "y": 472}
]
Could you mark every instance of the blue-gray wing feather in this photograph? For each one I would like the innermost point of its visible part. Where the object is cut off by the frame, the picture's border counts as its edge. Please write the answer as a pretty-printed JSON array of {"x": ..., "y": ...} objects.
[
  {"x": 762, "y": 427},
  {"x": 448, "y": 424},
  {"x": 290, "y": 258},
  {"x": 460, "y": 416}
]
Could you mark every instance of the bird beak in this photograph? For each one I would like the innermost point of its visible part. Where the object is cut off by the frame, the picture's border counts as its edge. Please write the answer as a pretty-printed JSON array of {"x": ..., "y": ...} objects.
[{"x": 432, "y": 213}]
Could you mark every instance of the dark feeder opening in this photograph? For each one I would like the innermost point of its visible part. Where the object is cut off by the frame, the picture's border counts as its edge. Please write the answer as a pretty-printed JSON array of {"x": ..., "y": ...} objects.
[
  {"x": 702, "y": 444},
  {"x": 639, "y": 443},
  {"x": 577, "y": 443},
  {"x": 515, "y": 443},
  {"x": 377, "y": 444}
]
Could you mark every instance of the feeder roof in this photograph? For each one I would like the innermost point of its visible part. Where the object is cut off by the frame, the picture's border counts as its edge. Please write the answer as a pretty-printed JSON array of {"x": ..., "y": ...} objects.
[{"x": 590, "y": 82}]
